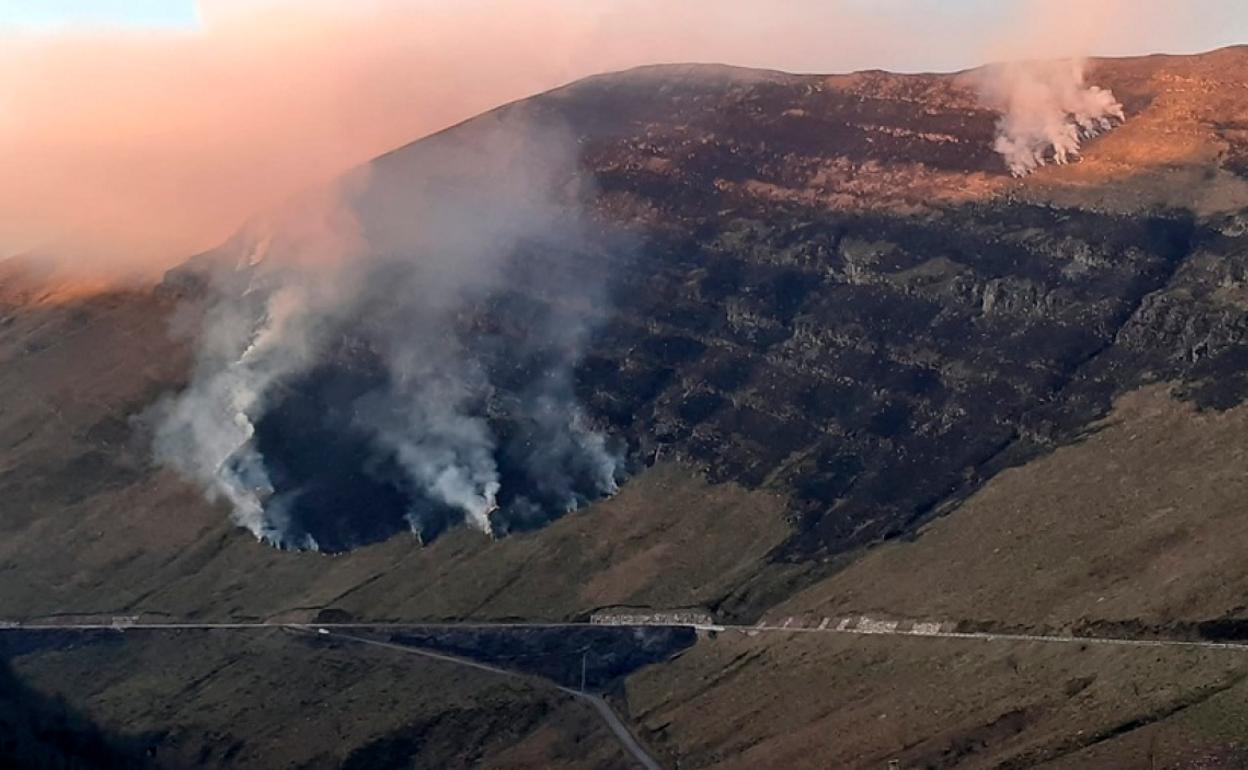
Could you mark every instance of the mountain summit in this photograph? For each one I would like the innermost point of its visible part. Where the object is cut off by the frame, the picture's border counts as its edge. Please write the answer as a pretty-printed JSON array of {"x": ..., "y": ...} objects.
[{"x": 785, "y": 349}]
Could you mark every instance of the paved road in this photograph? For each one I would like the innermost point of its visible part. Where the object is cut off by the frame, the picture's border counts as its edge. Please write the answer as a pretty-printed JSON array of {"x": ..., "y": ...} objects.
[
  {"x": 338, "y": 628},
  {"x": 621, "y": 731},
  {"x": 338, "y": 631},
  {"x": 991, "y": 637},
  {"x": 115, "y": 625},
  {"x": 618, "y": 728},
  {"x": 626, "y": 739}
]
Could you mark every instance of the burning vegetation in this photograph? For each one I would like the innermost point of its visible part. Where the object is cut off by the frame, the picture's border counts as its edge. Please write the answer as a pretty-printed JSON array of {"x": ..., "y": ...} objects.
[
  {"x": 398, "y": 354},
  {"x": 1047, "y": 111}
]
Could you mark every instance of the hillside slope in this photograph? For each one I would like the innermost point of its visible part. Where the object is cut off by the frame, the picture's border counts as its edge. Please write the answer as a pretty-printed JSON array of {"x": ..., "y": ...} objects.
[{"x": 836, "y": 321}]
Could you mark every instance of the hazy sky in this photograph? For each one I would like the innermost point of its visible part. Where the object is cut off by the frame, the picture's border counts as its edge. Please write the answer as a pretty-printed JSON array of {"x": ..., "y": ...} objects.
[
  {"x": 51, "y": 14},
  {"x": 1204, "y": 24},
  {"x": 146, "y": 129}
]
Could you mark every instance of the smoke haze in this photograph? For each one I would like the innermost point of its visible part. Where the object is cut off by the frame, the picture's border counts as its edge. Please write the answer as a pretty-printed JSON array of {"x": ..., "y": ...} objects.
[
  {"x": 392, "y": 346},
  {"x": 1047, "y": 111},
  {"x": 407, "y": 341},
  {"x": 1038, "y": 85},
  {"x": 128, "y": 151}
]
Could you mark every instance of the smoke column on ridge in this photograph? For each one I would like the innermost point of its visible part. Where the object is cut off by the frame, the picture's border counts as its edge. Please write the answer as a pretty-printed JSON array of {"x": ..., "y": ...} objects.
[
  {"x": 125, "y": 151},
  {"x": 1047, "y": 111},
  {"x": 277, "y": 282},
  {"x": 429, "y": 291}
]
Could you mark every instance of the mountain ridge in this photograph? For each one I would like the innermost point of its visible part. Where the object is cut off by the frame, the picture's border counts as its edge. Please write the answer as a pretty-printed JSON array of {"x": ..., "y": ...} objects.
[{"x": 840, "y": 330}]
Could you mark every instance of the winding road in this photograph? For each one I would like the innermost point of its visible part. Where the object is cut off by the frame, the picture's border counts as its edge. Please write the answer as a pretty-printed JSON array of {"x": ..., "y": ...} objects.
[
  {"x": 767, "y": 628},
  {"x": 622, "y": 734},
  {"x": 860, "y": 626}
]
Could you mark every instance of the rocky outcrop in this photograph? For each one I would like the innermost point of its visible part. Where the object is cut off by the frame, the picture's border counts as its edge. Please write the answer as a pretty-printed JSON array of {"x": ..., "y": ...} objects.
[{"x": 827, "y": 288}]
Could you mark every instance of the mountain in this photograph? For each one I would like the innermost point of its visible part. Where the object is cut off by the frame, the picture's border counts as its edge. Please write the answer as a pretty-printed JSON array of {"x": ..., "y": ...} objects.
[{"x": 853, "y": 368}]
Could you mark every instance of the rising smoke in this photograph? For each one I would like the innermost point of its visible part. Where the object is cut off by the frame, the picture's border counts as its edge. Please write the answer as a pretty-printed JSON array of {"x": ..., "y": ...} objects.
[
  {"x": 129, "y": 151},
  {"x": 400, "y": 340},
  {"x": 126, "y": 151},
  {"x": 1047, "y": 111},
  {"x": 414, "y": 324}
]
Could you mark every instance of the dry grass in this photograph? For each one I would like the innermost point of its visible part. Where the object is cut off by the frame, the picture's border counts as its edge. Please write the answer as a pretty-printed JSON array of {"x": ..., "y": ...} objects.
[
  {"x": 1142, "y": 520},
  {"x": 270, "y": 699},
  {"x": 1167, "y": 154},
  {"x": 822, "y": 700},
  {"x": 90, "y": 526},
  {"x": 668, "y": 539},
  {"x": 1210, "y": 734}
]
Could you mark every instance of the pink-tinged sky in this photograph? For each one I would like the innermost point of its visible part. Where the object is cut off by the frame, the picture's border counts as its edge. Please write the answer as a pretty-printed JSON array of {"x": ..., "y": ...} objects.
[
  {"x": 136, "y": 145},
  {"x": 1204, "y": 24}
]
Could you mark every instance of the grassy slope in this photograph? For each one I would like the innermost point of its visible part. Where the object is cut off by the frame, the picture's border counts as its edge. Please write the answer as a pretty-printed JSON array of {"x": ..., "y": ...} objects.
[
  {"x": 1143, "y": 519},
  {"x": 817, "y": 701},
  {"x": 105, "y": 531},
  {"x": 88, "y": 525},
  {"x": 1138, "y": 521},
  {"x": 271, "y": 699}
]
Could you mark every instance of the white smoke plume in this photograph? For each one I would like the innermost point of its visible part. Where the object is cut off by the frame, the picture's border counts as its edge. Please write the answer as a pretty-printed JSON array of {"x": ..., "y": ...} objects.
[
  {"x": 425, "y": 416},
  {"x": 124, "y": 151},
  {"x": 1047, "y": 111},
  {"x": 381, "y": 285},
  {"x": 207, "y": 432},
  {"x": 284, "y": 281}
]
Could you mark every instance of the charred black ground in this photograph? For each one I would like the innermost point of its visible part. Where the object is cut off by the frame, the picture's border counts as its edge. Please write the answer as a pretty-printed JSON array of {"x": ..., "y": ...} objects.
[
  {"x": 830, "y": 292},
  {"x": 342, "y": 488},
  {"x": 874, "y": 366},
  {"x": 597, "y": 658}
]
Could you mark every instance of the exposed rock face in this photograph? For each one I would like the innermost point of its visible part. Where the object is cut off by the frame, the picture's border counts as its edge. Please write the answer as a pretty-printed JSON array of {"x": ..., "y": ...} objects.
[
  {"x": 842, "y": 296},
  {"x": 826, "y": 289},
  {"x": 832, "y": 288},
  {"x": 874, "y": 381}
]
